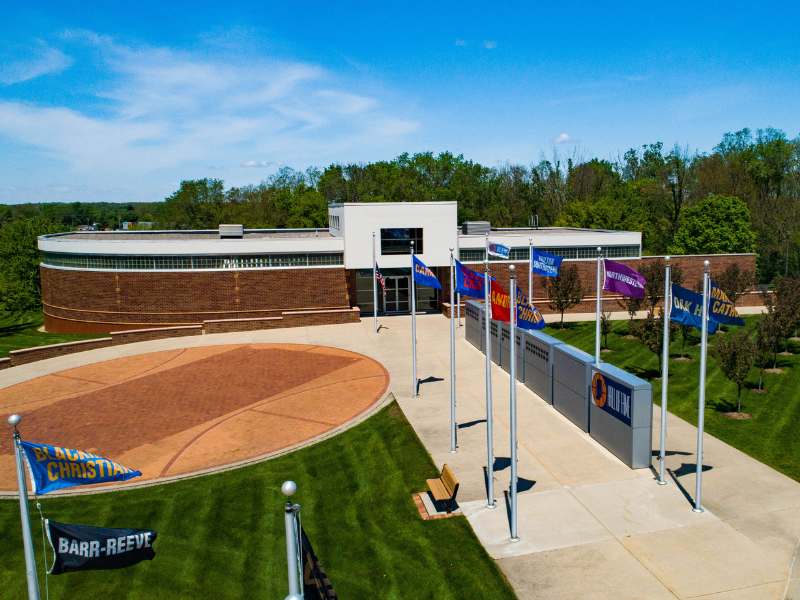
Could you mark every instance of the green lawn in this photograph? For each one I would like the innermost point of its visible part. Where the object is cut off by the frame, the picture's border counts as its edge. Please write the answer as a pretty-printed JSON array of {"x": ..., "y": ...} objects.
[
  {"x": 222, "y": 536},
  {"x": 21, "y": 330},
  {"x": 772, "y": 435}
]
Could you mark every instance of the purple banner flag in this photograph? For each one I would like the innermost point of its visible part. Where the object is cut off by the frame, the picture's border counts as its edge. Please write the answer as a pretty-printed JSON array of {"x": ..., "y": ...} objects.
[{"x": 622, "y": 279}]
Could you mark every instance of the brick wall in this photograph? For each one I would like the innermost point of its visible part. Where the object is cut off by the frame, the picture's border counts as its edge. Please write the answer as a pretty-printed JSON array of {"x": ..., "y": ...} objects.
[
  {"x": 691, "y": 266},
  {"x": 28, "y": 355},
  {"x": 160, "y": 333},
  {"x": 98, "y": 301},
  {"x": 287, "y": 319}
]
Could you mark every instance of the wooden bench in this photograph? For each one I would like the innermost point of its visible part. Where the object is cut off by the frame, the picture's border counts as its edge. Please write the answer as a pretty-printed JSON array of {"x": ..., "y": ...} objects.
[{"x": 444, "y": 488}]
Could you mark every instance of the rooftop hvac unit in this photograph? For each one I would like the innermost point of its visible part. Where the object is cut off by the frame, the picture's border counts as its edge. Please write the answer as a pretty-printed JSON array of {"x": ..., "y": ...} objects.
[
  {"x": 475, "y": 227},
  {"x": 231, "y": 231}
]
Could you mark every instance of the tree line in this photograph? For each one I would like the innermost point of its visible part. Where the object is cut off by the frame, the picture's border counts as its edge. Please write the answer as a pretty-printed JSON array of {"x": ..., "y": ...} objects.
[{"x": 743, "y": 196}]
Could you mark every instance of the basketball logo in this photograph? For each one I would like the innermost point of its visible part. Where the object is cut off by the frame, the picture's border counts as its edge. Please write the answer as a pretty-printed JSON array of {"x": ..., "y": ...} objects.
[{"x": 599, "y": 390}]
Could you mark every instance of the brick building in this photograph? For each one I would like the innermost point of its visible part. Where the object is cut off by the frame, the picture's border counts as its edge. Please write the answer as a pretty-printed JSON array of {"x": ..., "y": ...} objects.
[{"x": 109, "y": 281}]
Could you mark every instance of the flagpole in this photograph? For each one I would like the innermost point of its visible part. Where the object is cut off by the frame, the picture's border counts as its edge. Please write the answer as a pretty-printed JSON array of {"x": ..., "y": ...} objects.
[
  {"x": 530, "y": 270},
  {"x": 413, "y": 328},
  {"x": 662, "y": 453},
  {"x": 27, "y": 540},
  {"x": 597, "y": 311},
  {"x": 374, "y": 285},
  {"x": 701, "y": 404},
  {"x": 452, "y": 360},
  {"x": 512, "y": 400},
  {"x": 487, "y": 313}
]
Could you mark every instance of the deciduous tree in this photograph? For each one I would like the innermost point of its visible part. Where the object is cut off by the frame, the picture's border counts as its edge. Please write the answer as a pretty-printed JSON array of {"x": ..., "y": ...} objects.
[
  {"x": 736, "y": 353},
  {"x": 564, "y": 291}
]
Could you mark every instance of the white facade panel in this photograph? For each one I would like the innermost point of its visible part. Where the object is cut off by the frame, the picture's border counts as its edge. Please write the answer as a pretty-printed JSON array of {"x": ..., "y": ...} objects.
[
  {"x": 141, "y": 246},
  {"x": 438, "y": 221},
  {"x": 554, "y": 238}
]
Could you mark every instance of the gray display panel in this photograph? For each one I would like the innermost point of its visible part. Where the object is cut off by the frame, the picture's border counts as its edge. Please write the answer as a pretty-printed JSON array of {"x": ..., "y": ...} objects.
[
  {"x": 621, "y": 414},
  {"x": 505, "y": 346},
  {"x": 474, "y": 324},
  {"x": 572, "y": 375},
  {"x": 538, "y": 359}
]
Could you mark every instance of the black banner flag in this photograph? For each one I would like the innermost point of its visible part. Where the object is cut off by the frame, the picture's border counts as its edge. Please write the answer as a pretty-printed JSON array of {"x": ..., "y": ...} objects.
[
  {"x": 316, "y": 585},
  {"x": 84, "y": 547}
]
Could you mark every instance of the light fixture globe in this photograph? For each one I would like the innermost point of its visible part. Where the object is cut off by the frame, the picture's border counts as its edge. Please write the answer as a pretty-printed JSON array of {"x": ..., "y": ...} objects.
[
  {"x": 14, "y": 420},
  {"x": 288, "y": 488}
]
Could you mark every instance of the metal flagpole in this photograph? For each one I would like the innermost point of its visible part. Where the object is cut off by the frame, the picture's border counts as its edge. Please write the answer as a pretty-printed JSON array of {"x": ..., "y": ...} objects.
[
  {"x": 452, "y": 359},
  {"x": 27, "y": 540},
  {"x": 374, "y": 285},
  {"x": 597, "y": 310},
  {"x": 701, "y": 404},
  {"x": 413, "y": 328},
  {"x": 662, "y": 453},
  {"x": 530, "y": 271},
  {"x": 487, "y": 313},
  {"x": 290, "y": 511},
  {"x": 512, "y": 399}
]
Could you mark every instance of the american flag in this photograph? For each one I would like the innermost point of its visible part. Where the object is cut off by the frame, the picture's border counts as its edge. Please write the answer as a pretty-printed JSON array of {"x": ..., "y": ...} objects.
[{"x": 379, "y": 277}]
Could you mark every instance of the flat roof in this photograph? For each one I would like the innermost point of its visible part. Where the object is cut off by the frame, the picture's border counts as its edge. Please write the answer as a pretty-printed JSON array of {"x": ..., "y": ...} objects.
[{"x": 204, "y": 234}]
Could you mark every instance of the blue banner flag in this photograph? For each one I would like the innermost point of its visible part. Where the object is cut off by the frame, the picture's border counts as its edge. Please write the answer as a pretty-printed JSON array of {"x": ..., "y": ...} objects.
[
  {"x": 722, "y": 309},
  {"x": 687, "y": 309},
  {"x": 424, "y": 276},
  {"x": 499, "y": 250},
  {"x": 528, "y": 316},
  {"x": 545, "y": 264},
  {"x": 468, "y": 282},
  {"x": 54, "y": 468}
]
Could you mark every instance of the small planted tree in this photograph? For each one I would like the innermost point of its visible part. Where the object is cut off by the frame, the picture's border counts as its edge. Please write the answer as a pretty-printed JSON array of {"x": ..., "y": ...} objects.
[
  {"x": 564, "y": 291},
  {"x": 653, "y": 272},
  {"x": 768, "y": 335},
  {"x": 736, "y": 354},
  {"x": 766, "y": 343},
  {"x": 686, "y": 332},
  {"x": 631, "y": 306},
  {"x": 735, "y": 281},
  {"x": 605, "y": 328},
  {"x": 650, "y": 332}
]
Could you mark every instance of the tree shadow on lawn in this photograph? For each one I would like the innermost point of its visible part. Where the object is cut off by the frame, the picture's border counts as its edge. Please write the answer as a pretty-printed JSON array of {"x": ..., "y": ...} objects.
[
  {"x": 644, "y": 373},
  {"x": 16, "y": 328},
  {"x": 723, "y": 405}
]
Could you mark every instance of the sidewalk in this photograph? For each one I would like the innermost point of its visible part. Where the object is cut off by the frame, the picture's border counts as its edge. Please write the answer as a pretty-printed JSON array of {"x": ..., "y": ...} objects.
[{"x": 589, "y": 526}]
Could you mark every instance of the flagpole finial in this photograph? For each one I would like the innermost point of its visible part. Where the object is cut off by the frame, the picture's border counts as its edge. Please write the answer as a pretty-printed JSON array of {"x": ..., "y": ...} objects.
[
  {"x": 14, "y": 420},
  {"x": 706, "y": 266},
  {"x": 667, "y": 259},
  {"x": 512, "y": 271},
  {"x": 599, "y": 250},
  {"x": 288, "y": 488}
]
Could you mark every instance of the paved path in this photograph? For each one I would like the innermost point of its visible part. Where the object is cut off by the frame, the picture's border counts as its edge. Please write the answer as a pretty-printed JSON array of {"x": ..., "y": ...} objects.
[{"x": 589, "y": 526}]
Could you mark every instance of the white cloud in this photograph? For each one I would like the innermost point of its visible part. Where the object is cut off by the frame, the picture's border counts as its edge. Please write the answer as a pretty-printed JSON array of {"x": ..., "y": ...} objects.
[
  {"x": 170, "y": 113},
  {"x": 490, "y": 44},
  {"x": 563, "y": 138},
  {"x": 44, "y": 60},
  {"x": 257, "y": 164}
]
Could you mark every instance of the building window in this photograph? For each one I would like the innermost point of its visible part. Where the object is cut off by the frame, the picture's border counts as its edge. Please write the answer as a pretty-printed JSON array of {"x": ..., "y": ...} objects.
[
  {"x": 398, "y": 240},
  {"x": 185, "y": 263}
]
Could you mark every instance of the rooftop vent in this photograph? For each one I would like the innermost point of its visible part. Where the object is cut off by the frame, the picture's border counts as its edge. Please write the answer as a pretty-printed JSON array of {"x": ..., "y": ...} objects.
[
  {"x": 231, "y": 232},
  {"x": 475, "y": 227}
]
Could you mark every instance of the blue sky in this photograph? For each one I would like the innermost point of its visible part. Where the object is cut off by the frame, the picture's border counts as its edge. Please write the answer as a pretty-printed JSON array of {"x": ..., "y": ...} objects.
[{"x": 121, "y": 101}]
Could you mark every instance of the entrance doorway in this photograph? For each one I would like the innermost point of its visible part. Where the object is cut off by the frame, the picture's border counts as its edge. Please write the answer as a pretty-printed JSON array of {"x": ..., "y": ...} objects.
[{"x": 397, "y": 294}]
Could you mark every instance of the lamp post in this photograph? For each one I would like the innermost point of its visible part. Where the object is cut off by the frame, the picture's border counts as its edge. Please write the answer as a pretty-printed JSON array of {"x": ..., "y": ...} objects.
[
  {"x": 27, "y": 540},
  {"x": 293, "y": 562}
]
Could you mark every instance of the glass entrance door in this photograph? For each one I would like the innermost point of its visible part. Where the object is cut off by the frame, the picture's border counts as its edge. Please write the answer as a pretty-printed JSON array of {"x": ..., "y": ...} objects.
[{"x": 397, "y": 294}]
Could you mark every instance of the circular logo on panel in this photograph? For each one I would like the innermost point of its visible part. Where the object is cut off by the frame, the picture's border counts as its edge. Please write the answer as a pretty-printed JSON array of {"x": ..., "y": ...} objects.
[{"x": 599, "y": 390}]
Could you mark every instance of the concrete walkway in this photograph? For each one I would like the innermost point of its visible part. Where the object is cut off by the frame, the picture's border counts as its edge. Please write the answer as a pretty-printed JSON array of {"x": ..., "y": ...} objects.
[{"x": 589, "y": 526}]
